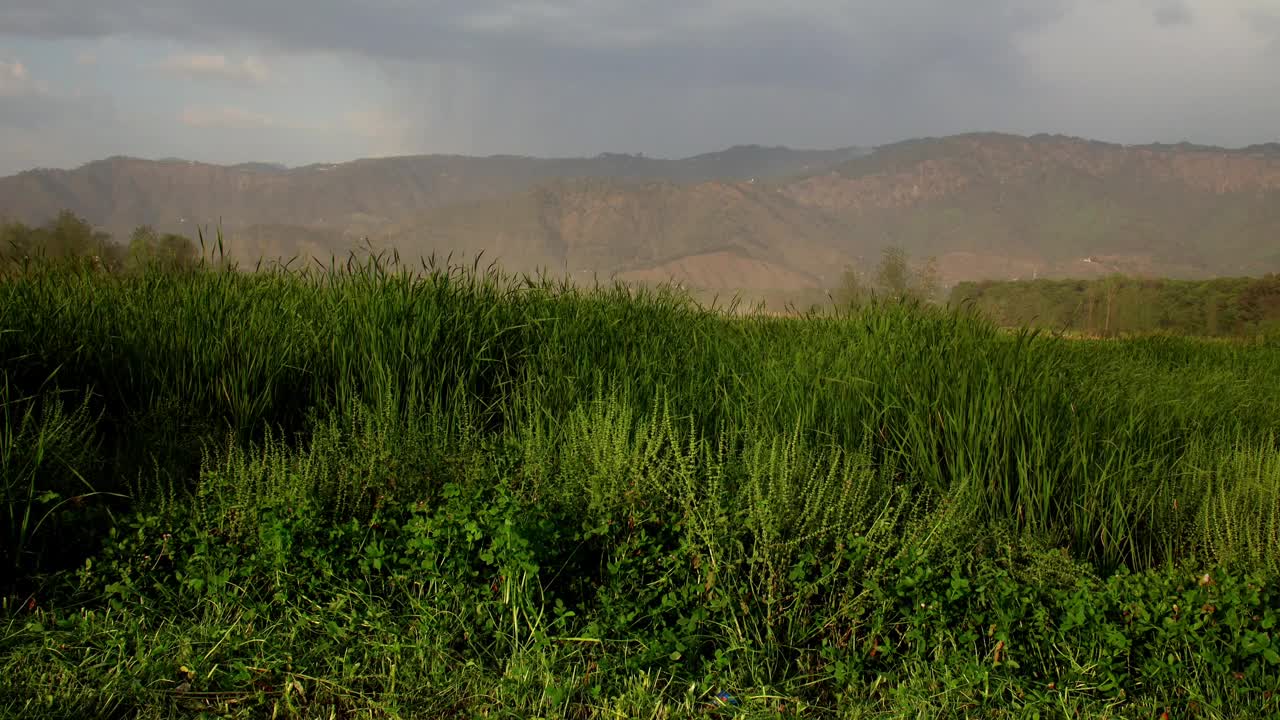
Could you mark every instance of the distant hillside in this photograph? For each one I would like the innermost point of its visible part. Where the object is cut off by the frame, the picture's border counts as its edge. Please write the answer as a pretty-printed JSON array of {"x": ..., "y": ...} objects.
[
  {"x": 988, "y": 206},
  {"x": 357, "y": 197},
  {"x": 1006, "y": 206},
  {"x": 709, "y": 235}
]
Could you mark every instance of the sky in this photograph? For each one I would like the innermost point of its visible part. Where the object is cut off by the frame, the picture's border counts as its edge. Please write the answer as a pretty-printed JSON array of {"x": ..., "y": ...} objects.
[{"x": 308, "y": 81}]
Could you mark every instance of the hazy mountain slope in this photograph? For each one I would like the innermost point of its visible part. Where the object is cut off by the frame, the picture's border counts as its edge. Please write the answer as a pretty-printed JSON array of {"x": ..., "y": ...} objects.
[
  {"x": 986, "y": 205},
  {"x": 361, "y": 196},
  {"x": 602, "y": 227},
  {"x": 1046, "y": 203}
]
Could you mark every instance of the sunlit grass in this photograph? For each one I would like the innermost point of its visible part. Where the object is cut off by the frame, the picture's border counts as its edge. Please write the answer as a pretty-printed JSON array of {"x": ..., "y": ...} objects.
[{"x": 448, "y": 491}]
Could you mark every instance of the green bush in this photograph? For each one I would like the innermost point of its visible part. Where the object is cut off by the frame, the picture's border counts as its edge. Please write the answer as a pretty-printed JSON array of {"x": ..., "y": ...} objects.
[{"x": 47, "y": 446}]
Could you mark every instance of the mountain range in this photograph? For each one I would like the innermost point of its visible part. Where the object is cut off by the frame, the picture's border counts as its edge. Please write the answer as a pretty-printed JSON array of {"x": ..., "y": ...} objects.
[{"x": 752, "y": 219}]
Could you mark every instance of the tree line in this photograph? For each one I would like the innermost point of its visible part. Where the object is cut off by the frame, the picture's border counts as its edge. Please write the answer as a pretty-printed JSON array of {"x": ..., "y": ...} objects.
[
  {"x": 1118, "y": 305},
  {"x": 1108, "y": 306},
  {"x": 70, "y": 238},
  {"x": 896, "y": 278},
  {"x": 1103, "y": 307}
]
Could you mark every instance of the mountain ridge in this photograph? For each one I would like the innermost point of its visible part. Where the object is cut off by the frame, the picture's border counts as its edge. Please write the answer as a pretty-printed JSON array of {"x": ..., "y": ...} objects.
[
  {"x": 987, "y": 205},
  {"x": 121, "y": 192}
]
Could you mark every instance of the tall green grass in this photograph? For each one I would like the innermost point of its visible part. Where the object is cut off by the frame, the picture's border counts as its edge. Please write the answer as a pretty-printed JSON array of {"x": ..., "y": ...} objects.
[
  {"x": 1088, "y": 445},
  {"x": 539, "y": 482}
]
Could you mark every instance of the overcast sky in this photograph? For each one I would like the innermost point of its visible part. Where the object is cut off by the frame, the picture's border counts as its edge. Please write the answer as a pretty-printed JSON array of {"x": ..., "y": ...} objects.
[{"x": 301, "y": 81}]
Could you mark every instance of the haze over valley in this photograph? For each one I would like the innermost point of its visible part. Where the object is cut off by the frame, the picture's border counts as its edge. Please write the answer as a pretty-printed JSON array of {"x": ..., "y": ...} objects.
[{"x": 749, "y": 219}]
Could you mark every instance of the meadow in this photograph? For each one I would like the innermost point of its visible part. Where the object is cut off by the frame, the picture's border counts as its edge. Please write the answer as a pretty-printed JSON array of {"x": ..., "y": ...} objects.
[{"x": 369, "y": 493}]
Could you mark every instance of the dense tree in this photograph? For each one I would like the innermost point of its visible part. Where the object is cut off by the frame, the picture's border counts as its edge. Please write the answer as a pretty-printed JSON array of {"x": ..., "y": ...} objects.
[
  {"x": 69, "y": 238},
  {"x": 166, "y": 251},
  {"x": 895, "y": 279},
  {"x": 1119, "y": 305},
  {"x": 893, "y": 275},
  {"x": 852, "y": 292},
  {"x": 65, "y": 237}
]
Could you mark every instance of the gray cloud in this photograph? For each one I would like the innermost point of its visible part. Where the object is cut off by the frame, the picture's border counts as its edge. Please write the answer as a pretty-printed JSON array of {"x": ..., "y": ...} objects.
[
  {"x": 29, "y": 103},
  {"x": 230, "y": 117},
  {"x": 203, "y": 66},
  {"x": 1173, "y": 12},
  {"x": 82, "y": 116},
  {"x": 537, "y": 71},
  {"x": 724, "y": 40},
  {"x": 1265, "y": 22},
  {"x": 40, "y": 127},
  {"x": 679, "y": 76}
]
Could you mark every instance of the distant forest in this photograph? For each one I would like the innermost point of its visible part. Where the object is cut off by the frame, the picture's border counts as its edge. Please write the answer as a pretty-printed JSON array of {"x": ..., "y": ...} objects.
[
  {"x": 1116, "y": 305},
  {"x": 1119, "y": 305},
  {"x": 70, "y": 238}
]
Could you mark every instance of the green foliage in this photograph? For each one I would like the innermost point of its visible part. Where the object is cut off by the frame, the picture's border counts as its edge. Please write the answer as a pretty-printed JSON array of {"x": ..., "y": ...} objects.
[
  {"x": 44, "y": 445},
  {"x": 1241, "y": 307},
  {"x": 70, "y": 241},
  {"x": 168, "y": 251},
  {"x": 365, "y": 492},
  {"x": 66, "y": 238},
  {"x": 895, "y": 280},
  {"x": 893, "y": 275},
  {"x": 853, "y": 291}
]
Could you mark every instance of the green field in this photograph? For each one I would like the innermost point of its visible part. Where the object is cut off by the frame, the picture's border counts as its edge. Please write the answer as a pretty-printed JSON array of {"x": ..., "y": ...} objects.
[{"x": 361, "y": 493}]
